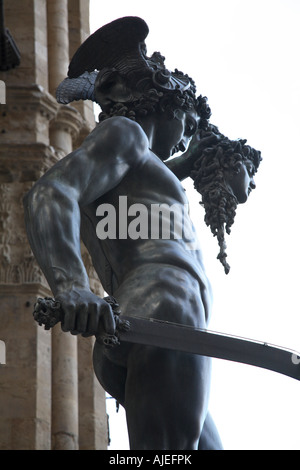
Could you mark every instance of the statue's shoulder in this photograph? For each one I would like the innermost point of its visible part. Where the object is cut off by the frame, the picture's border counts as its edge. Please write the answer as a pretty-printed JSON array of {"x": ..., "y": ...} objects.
[
  {"x": 119, "y": 133},
  {"x": 120, "y": 125}
]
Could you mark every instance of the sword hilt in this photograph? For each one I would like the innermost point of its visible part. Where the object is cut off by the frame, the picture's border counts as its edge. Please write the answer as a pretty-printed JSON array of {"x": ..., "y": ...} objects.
[{"x": 47, "y": 312}]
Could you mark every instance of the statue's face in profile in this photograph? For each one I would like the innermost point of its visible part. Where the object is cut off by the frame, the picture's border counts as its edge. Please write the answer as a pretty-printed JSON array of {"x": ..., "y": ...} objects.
[
  {"x": 241, "y": 180},
  {"x": 174, "y": 135}
]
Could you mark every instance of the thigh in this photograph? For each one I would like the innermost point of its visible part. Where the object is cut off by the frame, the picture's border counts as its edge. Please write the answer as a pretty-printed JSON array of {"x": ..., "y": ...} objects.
[
  {"x": 110, "y": 375},
  {"x": 166, "y": 398}
]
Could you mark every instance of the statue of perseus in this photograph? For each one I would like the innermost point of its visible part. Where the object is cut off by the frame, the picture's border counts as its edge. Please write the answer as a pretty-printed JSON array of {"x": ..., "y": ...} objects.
[{"x": 147, "y": 115}]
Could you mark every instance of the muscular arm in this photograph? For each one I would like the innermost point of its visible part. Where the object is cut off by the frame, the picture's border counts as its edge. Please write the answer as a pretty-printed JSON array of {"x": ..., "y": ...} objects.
[
  {"x": 180, "y": 166},
  {"x": 52, "y": 213}
]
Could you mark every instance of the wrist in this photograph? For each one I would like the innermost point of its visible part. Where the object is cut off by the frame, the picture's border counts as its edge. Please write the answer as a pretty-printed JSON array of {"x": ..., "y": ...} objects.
[{"x": 71, "y": 286}]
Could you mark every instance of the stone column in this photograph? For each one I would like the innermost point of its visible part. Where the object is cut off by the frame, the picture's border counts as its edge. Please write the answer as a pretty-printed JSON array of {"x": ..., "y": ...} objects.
[
  {"x": 25, "y": 380},
  {"x": 79, "y": 30},
  {"x": 64, "y": 345},
  {"x": 93, "y": 432},
  {"x": 35, "y": 132},
  {"x": 58, "y": 42}
]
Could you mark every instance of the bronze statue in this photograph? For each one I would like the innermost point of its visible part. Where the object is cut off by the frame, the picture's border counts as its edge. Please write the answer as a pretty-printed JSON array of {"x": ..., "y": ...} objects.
[{"x": 148, "y": 114}]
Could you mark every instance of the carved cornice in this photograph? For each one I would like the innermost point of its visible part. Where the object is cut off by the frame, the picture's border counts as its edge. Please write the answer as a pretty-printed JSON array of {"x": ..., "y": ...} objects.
[
  {"x": 31, "y": 97},
  {"x": 32, "y": 288},
  {"x": 26, "y": 271},
  {"x": 17, "y": 263},
  {"x": 22, "y": 162},
  {"x": 25, "y": 100},
  {"x": 25, "y": 162},
  {"x": 69, "y": 120}
]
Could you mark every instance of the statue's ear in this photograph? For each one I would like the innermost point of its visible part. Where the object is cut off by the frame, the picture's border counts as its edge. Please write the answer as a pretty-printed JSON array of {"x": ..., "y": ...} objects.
[{"x": 111, "y": 87}]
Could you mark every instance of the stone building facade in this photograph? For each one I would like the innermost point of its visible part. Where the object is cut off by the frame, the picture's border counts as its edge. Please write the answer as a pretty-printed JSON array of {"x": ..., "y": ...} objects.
[{"x": 49, "y": 396}]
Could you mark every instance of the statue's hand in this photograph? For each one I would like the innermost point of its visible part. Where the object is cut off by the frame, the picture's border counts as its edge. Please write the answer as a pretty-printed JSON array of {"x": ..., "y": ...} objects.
[
  {"x": 198, "y": 144},
  {"x": 184, "y": 165},
  {"x": 85, "y": 313}
]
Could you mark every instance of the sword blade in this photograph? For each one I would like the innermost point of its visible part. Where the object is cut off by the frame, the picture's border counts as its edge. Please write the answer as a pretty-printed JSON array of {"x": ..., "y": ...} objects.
[
  {"x": 168, "y": 335},
  {"x": 162, "y": 334}
]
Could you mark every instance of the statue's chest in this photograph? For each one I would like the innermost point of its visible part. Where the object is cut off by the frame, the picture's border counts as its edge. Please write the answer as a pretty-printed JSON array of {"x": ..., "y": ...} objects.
[{"x": 153, "y": 182}]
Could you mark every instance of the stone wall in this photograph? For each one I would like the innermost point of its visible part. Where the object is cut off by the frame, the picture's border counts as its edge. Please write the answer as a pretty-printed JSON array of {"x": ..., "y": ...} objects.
[{"x": 49, "y": 398}]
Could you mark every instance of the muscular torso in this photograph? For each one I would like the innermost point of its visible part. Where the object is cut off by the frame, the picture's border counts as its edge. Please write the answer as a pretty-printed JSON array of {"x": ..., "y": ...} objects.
[{"x": 161, "y": 274}]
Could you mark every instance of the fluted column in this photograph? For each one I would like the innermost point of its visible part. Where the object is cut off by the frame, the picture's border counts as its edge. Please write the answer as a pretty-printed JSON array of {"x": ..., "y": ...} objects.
[
  {"x": 25, "y": 379},
  {"x": 64, "y": 345},
  {"x": 93, "y": 433},
  {"x": 58, "y": 42}
]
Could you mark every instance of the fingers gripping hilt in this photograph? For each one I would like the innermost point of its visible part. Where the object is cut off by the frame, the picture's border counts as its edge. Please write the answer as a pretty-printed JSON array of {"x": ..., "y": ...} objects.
[
  {"x": 121, "y": 325},
  {"x": 47, "y": 312}
]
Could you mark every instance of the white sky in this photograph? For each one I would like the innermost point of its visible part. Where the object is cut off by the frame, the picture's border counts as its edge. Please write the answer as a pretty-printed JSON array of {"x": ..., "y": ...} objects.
[{"x": 244, "y": 56}]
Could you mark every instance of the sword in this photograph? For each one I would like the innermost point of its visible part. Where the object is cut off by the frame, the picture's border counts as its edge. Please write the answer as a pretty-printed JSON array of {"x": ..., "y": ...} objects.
[{"x": 169, "y": 335}]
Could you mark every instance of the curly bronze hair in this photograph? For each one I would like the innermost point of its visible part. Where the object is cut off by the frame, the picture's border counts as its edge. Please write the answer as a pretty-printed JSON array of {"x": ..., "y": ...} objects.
[
  {"x": 117, "y": 51},
  {"x": 156, "y": 99},
  {"x": 208, "y": 175}
]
